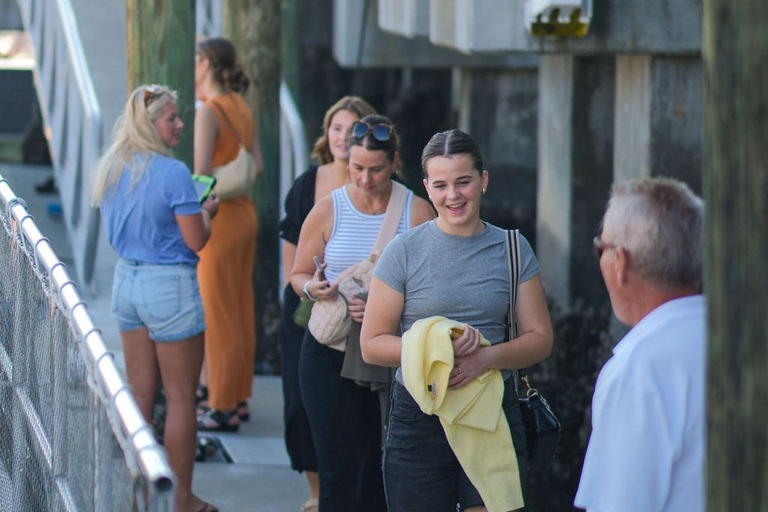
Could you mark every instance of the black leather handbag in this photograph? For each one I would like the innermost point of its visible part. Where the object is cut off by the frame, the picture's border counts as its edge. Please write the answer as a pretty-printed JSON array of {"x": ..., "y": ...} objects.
[{"x": 542, "y": 428}]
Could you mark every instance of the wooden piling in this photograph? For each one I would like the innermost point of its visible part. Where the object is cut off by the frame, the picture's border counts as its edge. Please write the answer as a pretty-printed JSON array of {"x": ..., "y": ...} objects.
[
  {"x": 254, "y": 28},
  {"x": 160, "y": 48},
  {"x": 735, "y": 48}
]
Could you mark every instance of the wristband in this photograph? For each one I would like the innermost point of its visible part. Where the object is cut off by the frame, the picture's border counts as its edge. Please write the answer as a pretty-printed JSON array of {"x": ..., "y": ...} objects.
[{"x": 306, "y": 291}]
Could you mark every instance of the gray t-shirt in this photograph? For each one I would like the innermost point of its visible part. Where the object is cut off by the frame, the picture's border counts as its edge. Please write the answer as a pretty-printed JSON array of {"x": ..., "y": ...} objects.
[{"x": 462, "y": 278}]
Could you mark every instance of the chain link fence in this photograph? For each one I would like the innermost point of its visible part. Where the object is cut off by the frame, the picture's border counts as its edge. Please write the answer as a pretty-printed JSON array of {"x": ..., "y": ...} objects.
[{"x": 71, "y": 436}]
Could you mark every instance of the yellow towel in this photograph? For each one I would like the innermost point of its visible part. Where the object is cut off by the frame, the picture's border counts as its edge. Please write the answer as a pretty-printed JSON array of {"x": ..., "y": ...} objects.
[{"x": 472, "y": 417}]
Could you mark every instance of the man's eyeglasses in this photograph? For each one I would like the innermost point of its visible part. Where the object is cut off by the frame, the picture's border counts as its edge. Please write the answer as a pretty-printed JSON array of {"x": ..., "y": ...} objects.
[
  {"x": 600, "y": 246},
  {"x": 380, "y": 131},
  {"x": 150, "y": 93}
]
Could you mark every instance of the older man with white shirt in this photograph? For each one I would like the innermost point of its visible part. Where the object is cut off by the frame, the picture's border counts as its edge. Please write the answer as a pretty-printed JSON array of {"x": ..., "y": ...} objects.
[{"x": 647, "y": 450}]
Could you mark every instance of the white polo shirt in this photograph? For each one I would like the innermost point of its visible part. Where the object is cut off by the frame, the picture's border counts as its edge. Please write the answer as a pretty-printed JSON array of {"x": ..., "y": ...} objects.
[{"x": 647, "y": 449}]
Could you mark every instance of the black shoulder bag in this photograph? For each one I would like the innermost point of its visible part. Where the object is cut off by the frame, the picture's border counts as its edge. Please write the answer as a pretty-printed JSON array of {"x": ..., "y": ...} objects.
[{"x": 542, "y": 429}]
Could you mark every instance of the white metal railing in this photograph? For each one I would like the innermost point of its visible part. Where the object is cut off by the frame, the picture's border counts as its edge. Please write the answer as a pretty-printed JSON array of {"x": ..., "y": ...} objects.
[
  {"x": 294, "y": 155},
  {"x": 209, "y": 22},
  {"x": 151, "y": 479},
  {"x": 72, "y": 117}
]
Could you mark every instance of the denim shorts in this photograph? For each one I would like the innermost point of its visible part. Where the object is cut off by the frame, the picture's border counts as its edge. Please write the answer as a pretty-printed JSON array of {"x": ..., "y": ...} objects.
[
  {"x": 421, "y": 472},
  {"x": 163, "y": 298}
]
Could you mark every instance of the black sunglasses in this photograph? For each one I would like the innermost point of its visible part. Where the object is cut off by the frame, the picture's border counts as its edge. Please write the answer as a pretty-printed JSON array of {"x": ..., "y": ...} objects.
[
  {"x": 380, "y": 131},
  {"x": 599, "y": 246}
]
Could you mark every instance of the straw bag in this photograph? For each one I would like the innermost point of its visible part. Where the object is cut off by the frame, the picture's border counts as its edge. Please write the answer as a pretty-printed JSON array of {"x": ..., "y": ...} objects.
[
  {"x": 236, "y": 178},
  {"x": 330, "y": 320}
]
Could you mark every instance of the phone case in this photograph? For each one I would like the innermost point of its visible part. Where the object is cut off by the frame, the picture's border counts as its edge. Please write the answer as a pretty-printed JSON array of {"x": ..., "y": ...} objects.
[{"x": 204, "y": 186}]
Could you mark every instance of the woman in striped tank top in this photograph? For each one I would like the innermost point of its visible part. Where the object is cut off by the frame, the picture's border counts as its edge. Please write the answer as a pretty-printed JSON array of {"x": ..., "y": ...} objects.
[
  {"x": 341, "y": 230},
  {"x": 332, "y": 152}
]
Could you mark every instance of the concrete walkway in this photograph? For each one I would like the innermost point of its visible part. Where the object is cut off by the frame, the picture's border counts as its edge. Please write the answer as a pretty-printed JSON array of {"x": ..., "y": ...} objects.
[{"x": 259, "y": 479}]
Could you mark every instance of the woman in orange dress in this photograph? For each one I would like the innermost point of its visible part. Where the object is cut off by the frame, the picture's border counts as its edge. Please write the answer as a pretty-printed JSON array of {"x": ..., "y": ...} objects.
[{"x": 222, "y": 123}]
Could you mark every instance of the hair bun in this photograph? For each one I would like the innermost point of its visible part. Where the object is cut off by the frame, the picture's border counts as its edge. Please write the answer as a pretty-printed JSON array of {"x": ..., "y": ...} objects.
[{"x": 236, "y": 79}]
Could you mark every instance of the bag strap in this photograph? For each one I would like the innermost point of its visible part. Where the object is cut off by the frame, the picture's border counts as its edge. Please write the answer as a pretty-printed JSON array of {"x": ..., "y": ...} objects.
[
  {"x": 229, "y": 123},
  {"x": 391, "y": 221},
  {"x": 513, "y": 266}
]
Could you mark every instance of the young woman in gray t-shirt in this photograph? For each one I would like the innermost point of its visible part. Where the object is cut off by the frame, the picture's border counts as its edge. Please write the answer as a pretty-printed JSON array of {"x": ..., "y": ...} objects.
[{"x": 456, "y": 267}]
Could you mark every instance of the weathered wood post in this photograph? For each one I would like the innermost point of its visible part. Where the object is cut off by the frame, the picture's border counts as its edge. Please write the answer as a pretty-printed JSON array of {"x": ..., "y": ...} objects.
[
  {"x": 160, "y": 42},
  {"x": 290, "y": 43},
  {"x": 254, "y": 28},
  {"x": 735, "y": 48}
]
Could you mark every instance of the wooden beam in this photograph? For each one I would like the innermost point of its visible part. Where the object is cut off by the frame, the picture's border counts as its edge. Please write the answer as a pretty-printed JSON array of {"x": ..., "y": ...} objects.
[
  {"x": 254, "y": 28},
  {"x": 160, "y": 43},
  {"x": 290, "y": 38},
  {"x": 735, "y": 50}
]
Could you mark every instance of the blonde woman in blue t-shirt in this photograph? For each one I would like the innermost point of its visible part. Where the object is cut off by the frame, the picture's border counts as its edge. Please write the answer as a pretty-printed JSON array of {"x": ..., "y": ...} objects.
[
  {"x": 453, "y": 267},
  {"x": 156, "y": 225}
]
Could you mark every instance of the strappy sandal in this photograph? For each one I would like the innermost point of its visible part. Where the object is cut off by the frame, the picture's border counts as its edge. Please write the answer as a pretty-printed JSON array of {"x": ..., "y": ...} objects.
[
  {"x": 243, "y": 412},
  {"x": 218, "y": 421},
  {"x": 201, "y": 400},
  {"x": 311, "y": 503}
]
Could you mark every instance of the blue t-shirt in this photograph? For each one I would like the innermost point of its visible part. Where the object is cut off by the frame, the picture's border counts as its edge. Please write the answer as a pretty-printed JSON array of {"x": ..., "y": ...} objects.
[{"x": 140, "y": 220}]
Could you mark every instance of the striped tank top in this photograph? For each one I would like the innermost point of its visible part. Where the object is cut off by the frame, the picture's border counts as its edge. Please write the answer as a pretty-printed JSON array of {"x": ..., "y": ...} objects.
[{"x": 354, "y": 233}]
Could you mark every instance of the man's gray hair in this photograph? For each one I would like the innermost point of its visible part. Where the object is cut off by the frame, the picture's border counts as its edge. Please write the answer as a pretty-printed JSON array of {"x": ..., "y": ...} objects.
[{"x": 660, "y": 223}]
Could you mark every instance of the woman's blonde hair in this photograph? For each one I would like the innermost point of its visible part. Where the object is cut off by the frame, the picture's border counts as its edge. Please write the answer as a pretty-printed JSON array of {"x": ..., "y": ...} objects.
[
  {"x": 133, "y": 137},
  {"x": 353, "y": 104}
]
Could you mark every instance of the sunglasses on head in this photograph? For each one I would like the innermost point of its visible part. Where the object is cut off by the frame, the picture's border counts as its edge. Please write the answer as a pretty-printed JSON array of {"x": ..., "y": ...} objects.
[
  {"x": 150, "y": 93},
  {"x": 380, "y": 131}
]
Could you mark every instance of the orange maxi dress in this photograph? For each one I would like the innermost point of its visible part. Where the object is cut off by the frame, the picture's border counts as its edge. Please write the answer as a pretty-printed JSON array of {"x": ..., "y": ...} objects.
[{"x": 225, "y": 272}]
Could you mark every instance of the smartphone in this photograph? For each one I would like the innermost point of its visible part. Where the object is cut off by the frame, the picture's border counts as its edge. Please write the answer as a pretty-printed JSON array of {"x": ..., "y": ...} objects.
[
  {"x": 319, "y": 267},
  {"x": 203, "y": 186}
]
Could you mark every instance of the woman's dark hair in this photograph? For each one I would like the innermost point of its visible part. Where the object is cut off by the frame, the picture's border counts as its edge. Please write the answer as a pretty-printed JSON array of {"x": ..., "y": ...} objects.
[
  {"x": 391, "y": 146},
  {"x": 449, "y": 143},
  {"x": 223, "y": 61}
]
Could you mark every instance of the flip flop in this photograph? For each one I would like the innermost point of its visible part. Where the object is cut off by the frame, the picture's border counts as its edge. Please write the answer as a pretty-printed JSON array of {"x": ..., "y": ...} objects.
[
  {"x": 310, "y": 503},
  {"x": 207, "y": 507}
]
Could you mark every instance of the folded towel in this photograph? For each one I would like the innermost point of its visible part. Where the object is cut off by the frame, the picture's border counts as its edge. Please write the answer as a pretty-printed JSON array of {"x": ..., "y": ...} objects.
[{"x": 472, "y": 416}]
